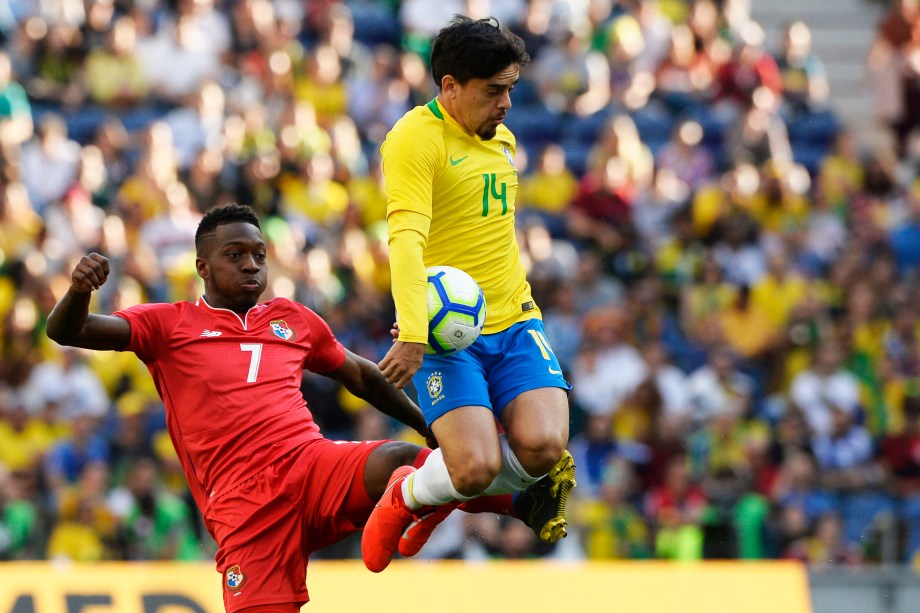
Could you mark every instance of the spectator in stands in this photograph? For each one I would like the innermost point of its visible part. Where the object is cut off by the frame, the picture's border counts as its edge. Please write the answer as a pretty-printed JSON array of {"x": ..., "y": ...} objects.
[
  {"x": 15, "y": 109},
  {"x": 719, "y": 388},
  {"x": 547, "y": 191},
  {"x": 685, "y": 156},
  {"x": 805, "y": 86},
  {"x": 603, "y": 352},
  {"x": 58, "y": 75},
  {"x": 572, "y": 78},
  {"x": 894, "y": 74},
  {"x": 844, "y": 454},
  {"x": 115, "y": 76},
  {"x": 826, "y": 547},
  {"x": 611, "y": 527},
  {"x": 825, "y": 387},
  {"x": 49, "y": 163},
  {"x": 674, "y": 510},
  {"x": 19, "y": 520},
  {"x": 154, "y": 524},
  {"x": 758, "y": 134},
  {"x": 67, "y": 459},
  {"x": 20, "y": 225},
  {"x": 750, "y": 68}
]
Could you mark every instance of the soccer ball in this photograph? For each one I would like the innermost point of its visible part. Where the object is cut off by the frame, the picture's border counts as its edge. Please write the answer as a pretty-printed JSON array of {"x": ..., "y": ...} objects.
[{"x": 456, "y": 310}]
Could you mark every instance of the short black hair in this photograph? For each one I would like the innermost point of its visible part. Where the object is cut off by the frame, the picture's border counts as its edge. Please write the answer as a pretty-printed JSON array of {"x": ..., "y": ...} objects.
[
  {"x": 223, "y": 214},
  {"x": 475, "y": 49}
]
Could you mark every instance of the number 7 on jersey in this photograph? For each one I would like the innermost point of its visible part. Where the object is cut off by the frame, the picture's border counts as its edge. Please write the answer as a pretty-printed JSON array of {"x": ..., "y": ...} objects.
[{"x": 256, "y": 350}]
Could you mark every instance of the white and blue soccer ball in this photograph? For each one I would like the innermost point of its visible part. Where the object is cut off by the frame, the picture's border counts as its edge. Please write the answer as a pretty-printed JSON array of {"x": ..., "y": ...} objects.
[{"x": 456, "y": 310}]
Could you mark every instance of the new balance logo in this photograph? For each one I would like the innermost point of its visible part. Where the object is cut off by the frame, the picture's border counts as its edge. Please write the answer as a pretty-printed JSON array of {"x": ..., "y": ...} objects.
[{"x": 211, "y": 333}]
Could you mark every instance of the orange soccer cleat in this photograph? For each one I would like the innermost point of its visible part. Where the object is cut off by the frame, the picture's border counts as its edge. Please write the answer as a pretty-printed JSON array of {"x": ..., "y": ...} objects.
[
  {"x": 419, "y": 530},
  {"x": 386, "y": 524}
]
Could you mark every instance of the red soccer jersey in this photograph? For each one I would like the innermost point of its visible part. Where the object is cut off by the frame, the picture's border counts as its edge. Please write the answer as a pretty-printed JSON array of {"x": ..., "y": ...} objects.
[{"x": 231, "y": 384}]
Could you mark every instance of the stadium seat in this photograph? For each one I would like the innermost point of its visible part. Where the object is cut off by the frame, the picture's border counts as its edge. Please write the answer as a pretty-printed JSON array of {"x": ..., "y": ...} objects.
[
  {"x": 524, "y": 94},
  {"x": 809, "y": 155},
  {"x": 814, "y": 129},
  {"x": 534, "y": 124},
  {"x": 585, "y": 130},
  {"x": 374, "y": 24},
  {"x": 860, "y": 510},
  {"x": 910, "y": 515},
  {"x": 654, "y": 127}
]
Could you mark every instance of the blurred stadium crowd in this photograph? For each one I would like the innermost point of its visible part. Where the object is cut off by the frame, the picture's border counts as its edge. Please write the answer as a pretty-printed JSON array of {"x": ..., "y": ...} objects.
[{"x": 729, "y": 278}]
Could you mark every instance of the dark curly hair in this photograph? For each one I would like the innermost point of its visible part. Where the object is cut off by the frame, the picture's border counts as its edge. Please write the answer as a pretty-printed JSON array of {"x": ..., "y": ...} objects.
[
  {"x": 223, "y": 214},
  {"x": 475, "y": 49}
]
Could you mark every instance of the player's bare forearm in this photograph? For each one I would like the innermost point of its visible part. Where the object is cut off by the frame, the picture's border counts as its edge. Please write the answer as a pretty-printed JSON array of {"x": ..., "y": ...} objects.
[
  {"x": 70, "y": 322},
  {"x": 394, "y": 402},
  {"x": 362, "y": 378}
]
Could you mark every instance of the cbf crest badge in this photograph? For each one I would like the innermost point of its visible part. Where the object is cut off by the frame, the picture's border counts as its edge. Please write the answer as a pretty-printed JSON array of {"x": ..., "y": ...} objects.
[
  {"x": 235, "y": 577},
  {"x": 282, "y": 330},
  {"x": 506, "y": 149},
  {"x": 435, "y": 385}
]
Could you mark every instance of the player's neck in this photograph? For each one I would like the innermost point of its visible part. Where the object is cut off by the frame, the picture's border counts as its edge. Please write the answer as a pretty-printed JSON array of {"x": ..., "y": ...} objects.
[
  {"x": 449, "y": 114},
  {"x": 216, "y": 302}
]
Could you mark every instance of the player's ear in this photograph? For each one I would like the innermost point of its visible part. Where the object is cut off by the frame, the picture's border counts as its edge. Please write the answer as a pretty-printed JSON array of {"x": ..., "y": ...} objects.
[
  {"x": 448, "y": 84},
  {"x": 203, "y": 268}
]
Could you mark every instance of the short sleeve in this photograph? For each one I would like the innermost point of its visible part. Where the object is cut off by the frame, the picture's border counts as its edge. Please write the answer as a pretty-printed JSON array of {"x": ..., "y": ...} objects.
[
  {"x": 151, "y": 326},
  {"x": 326, "y": 352}
]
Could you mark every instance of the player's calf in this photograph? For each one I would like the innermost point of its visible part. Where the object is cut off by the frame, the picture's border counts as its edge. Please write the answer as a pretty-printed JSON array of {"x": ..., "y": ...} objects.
[{"x": 542, "y": 505}]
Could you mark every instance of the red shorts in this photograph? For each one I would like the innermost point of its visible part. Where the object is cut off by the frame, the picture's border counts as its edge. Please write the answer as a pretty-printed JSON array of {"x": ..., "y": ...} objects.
[{"x": 267, "y": 526}]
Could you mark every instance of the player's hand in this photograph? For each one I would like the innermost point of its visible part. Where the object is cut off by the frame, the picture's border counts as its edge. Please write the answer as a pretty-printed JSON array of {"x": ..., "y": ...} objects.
[
  {"x": 394, "y": 331},
  {"x": 401, "y": 362},
  {"x": 90, "y": 273}
]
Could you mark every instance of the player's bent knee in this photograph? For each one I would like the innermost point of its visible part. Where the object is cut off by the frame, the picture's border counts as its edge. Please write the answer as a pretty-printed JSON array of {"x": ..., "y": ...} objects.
[
  {"x": 471, "y": 480},
  {"x": 541, "y": 460}
]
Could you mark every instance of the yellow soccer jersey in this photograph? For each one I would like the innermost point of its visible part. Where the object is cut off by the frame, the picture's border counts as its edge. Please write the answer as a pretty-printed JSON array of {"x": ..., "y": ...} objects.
[{"x": 450, "y": 200}]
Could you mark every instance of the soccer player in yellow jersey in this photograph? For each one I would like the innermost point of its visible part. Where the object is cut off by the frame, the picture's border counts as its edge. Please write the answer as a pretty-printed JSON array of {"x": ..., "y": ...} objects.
[{"x": 499, "y": 408}]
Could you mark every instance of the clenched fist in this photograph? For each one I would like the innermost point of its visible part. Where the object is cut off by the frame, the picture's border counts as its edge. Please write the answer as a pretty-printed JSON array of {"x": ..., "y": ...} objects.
[{"x": 90, "y": 273}]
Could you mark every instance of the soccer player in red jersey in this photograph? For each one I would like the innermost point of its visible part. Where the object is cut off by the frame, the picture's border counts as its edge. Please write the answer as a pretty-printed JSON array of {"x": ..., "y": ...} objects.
[{"x": 270, "y": 487}]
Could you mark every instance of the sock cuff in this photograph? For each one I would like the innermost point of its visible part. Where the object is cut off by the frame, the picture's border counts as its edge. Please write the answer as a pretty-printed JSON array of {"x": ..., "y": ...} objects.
[
  {"x": 420, "y": 458},
  {"x": 514, "y": 464}
]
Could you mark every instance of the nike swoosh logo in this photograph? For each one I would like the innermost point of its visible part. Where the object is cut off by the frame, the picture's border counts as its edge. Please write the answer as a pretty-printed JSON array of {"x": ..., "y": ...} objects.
[
  {"x": 454, "y": 162},
  {"x": 554, "y": 372}
]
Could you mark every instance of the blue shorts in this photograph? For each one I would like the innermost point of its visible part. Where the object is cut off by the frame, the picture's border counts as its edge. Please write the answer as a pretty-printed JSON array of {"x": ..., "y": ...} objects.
[{"x": 489, "y": 373}]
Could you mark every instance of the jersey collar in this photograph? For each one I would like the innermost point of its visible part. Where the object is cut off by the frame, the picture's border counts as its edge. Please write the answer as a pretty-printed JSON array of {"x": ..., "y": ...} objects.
[
  {"x": 244, "y": 321},
  {"x": 441, "y": 113}
]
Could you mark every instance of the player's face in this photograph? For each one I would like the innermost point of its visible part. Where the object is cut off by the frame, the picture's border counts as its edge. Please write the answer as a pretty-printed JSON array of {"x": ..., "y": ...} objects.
[
  {"x": 480, "y": 105},
  {"x": 234, "y": 268}
]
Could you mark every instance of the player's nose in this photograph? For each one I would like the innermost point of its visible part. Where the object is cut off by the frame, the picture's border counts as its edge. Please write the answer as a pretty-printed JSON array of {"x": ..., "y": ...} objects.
[{"x": 249, "y": 263}]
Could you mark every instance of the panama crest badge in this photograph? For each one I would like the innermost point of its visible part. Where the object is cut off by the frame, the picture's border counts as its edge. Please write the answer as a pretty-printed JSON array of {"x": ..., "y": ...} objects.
[
  {"x": 282, "y": 330},
  {"x": 235, "y": 577}
]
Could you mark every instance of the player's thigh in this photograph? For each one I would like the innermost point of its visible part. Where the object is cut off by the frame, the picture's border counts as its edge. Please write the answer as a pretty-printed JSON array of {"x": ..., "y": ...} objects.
[
  {"x": 537, "y": 418},
  {"x": 334, "y": 491},
  {"x": 521, "y": 360},
  {"x": 259, "y": 529},
  {"x": 468, "y": 437},
  {"x": 445, "y": 383}
]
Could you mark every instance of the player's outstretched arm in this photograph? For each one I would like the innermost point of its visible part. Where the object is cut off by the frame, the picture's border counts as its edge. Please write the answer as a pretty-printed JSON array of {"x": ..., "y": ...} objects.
[
  {"x": 363, "y": 379},
  {"x": 70, "y": 322}
]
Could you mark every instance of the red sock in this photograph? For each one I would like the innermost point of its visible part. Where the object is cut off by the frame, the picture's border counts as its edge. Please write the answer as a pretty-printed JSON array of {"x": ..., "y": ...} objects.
[
  {"x": 423, "y": 454},
  {"x": 501, "y": 504}
]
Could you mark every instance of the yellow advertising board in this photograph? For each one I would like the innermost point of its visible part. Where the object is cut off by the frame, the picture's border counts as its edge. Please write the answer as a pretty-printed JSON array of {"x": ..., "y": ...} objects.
[{"x": 441, "y": 587}]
